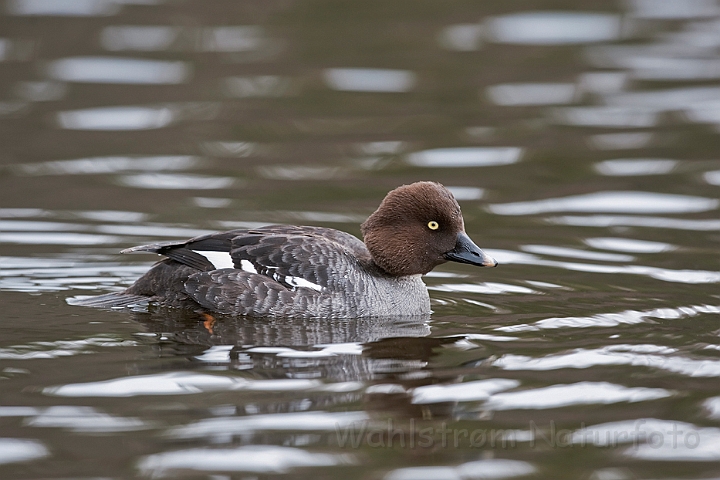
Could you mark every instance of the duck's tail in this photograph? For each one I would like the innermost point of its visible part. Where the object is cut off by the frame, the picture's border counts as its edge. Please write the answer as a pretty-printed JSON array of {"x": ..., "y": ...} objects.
[{"x": 110, "y": 300}]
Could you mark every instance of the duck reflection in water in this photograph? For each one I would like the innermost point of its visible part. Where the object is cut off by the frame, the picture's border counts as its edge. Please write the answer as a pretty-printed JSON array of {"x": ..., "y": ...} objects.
[{"x": 375, "y": 352}]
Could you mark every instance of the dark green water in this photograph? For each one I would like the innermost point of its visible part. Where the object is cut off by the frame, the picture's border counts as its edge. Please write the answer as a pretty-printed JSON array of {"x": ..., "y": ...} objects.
[{"x": 581, "y": 139}]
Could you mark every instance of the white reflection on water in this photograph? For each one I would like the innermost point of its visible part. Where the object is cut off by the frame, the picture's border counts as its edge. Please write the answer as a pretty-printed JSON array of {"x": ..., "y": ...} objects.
[
  {"x": 212, "y": 202},
  {"x": 257, "y": 86},
  {"x": 153, "y": 230},
  {"x": 388, "y": 147},
  {"x": 665, "y": 99},
  {"x": 524, "y": 94},
  {"x": 225, "y": 427},
  {"x": 301, "y": 172},
  {"x": 138, "y": 37},
  {"x": 635, "y": 166},
  {"x": 41, "y": 91},
  {"x": 464, "y": 37},
  {"x": 604, "y": 320},
  {"x": 85, "y": 420},
  {"x": 713, "y": 178},
  {"x": 21, "y": 450},
  {"x": 13, "y": 108},
  {"x": 632, "y": 221},
  {"x": 462, "y": 392},
  {"x": 176, "y": 383},
  {"x": 465, "y": 157},
  {"x": 630, "y": 245},
  {"x": 170, "y": 181},
  {"x": 654, "y": 439},
  {"x": 102, "y": 165},
  {"x": 489, "y": 468},
  {"x": 230, "y": 149},
  {"x": 707, "y": 112},
  {"x": 673, "y": 9},
  {"x": 575, "y": 253},
  {"x": 116, "y": 118},
  {"x": 22, "y": 274},
  {"x": 241, "y": 38},
  {"x": 369, "y": 79},
  {"x": 645, "y": 356},
  {"x": 250, "y": 458},
  {"x": 38, "y": 226},
  {"x": 700, "y": 104},
  {"x": 582, "y": 393},
  {"x": 328, "y": 217},
  {"x": 112, "y": 216},
  {"x": 712, "y": 406},
  {"x": 467, "y": 193},
  {"x": 489, "y": 288},
  {"x": 624, "y": 117},
  {"x": 57, "y": 238},
  {"x": 118, "y": 70},
  {"x": 61, "y": 348},
  {"x": 613, "y": 434},
  {"x": 602, "y": 82},
  {"x": 664, "y": 274},
  {"x": 626, "y": 202},
  {"x": 664, "y": 68},
  {"x": 698, "y": 445},
  {"x": 151, "y": 38},
  {"x": 620, "y": 141},
  {"x": 65, "y": 8},
  {"x": 554, "y": 28}
]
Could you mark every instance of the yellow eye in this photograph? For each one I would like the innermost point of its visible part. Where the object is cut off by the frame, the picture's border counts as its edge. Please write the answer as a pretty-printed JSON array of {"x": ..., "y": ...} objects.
[{"x": 433, "y": 225}]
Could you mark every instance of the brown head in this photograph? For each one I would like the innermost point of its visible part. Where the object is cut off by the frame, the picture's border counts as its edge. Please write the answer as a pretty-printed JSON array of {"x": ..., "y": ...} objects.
[{"x": 416, "y": 228}]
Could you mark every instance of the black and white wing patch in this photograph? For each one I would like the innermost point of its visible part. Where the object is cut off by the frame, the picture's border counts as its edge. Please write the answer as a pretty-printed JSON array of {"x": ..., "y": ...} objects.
[
  {"x": 298, "y": 257},
  {"x": 276, "y": 273},
  {"x": 205, "y": 253},
  {"x": 241, "y": 270}
]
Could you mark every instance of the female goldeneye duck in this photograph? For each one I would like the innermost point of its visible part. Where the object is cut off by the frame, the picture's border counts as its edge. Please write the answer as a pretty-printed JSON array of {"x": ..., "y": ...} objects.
[{"x": 313, "y": 272}]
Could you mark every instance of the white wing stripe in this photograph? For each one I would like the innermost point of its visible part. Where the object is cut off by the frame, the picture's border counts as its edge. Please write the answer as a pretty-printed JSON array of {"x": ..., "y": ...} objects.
[
  {"x": 218, "y": 259},
  {"x": 247, "y": 266},
  {"x": 301, "y": 282},
  {"x": 224, "y": 260}
]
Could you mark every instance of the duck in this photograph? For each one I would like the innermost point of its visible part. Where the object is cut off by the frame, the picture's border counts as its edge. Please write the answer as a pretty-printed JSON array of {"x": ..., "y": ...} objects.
[{"x": 310, "y": 271}]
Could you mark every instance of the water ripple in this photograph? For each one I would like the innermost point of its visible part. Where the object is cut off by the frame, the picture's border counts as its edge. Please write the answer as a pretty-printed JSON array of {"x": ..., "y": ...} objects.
[
  {"x": 176, "y": 383},
  {"x": 554, "y": 28},
  {"x": 621, "y": 202},
  {"x": 489, "y": 468},
  {"x": 627, "y": 167},
  {"x": 117, "y": 118},
  {"x": 702, "y": 225},
  {"x": 650, "y": 356},
  {"x": 582, "y": 393},
  {"x": 118, "y": 70},
  {"x": 462, "y": 392},
  {"x": 84, "y": 420},
  {"x": 665, "y": 274},
  {"x": 61, "y": 348},
  {"x": 654, "y": 439},
  {"x": 225, "y": 427},
  {"x": 21, "y": 450},
  {"x": 369, "y": 79},
  {"x": 105, "y": 165},
  {"x": 627, "y": 317},
  {"x": 251, "y": 458},
  {"x": 630, "y": 245},
  {"x": 465, "y": 157}
]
